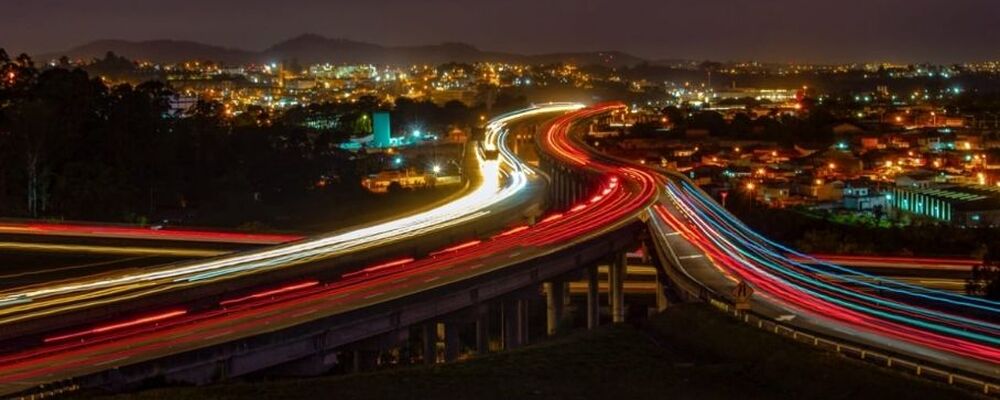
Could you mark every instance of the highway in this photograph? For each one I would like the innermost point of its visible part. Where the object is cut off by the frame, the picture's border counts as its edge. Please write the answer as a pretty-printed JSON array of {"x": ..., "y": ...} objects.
[
  {"x": 78, "y": 230},
  {"x": 710, "y": 247},
  {"x": 34, "y": 252},
  {"x": 948, "y": 329},
  {"x": 502, "y": 180},
  {"x": 716, "y": 251},
  {"x": 624, "y": 193}
]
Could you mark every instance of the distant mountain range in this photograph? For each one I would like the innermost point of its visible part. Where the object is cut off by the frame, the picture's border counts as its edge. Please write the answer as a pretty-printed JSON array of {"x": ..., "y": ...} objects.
[{"x": 314, "y": 49}]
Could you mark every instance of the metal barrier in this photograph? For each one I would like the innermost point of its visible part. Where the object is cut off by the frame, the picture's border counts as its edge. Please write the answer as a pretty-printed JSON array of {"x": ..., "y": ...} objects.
[{"x": 860, "y": 353}]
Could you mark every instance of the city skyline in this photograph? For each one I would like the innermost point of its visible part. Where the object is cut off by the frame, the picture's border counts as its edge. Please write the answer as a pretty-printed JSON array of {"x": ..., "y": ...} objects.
[{"x": 782, "y": 31}]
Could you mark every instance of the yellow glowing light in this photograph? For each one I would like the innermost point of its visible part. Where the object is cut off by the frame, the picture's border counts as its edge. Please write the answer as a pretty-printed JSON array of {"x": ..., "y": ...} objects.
[{"x": 501, "y": 179}]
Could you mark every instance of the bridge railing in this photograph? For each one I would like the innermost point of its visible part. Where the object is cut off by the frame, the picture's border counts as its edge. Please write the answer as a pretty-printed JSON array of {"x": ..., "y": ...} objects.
[
  {"x": 720, "y": 302},
  {"x": 855, "y": 351}
]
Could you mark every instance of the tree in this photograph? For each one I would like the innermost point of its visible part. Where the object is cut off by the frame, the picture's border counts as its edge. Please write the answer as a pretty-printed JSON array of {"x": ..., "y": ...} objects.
[
  {"x": 985, "y": 278},
  {"x": 709, "y": 120},
  {"x": 674, "y": 115}
]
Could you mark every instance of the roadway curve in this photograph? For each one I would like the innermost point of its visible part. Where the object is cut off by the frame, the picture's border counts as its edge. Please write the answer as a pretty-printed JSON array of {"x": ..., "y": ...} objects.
[
  {"x": 623, "y": 194},
  {"x": 505, "y": 187},
  {"x": 714, "y": 251}
]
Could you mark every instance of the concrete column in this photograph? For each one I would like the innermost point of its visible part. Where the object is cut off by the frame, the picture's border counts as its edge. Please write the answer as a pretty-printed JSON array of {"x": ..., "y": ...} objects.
[
  {"x": 429, "y": 343},
  {"x": 508, "y": 317},
  {"x": 593, "y": 298},
  {"x": 574, "y": 190},
  {"x": 561, "y": 190},
  {"x": 522, "y": 321},
  {"x": 616, "y": 274},
  {"x": 483, "y": 330},
  {"x": 556, "y": 188},
  {"x": 554, "y": 303},
  {"x": 661, "y": 291},
  {"x": 452, "y": 341}
]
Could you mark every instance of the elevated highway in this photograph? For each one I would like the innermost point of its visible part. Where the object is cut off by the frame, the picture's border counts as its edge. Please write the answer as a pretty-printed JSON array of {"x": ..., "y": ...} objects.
[
  {"x": 304, "y": 320},
  {"x": 710, "y": 253},
  {"x": 603, "y": 207}
]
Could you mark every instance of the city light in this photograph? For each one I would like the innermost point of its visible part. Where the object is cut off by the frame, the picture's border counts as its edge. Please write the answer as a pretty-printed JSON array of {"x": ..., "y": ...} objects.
[{"x": 488, "y": 211}]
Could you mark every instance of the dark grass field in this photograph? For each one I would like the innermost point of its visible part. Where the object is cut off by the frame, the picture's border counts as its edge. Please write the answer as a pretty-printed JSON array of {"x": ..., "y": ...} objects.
[{"x": 688, "y": 352}]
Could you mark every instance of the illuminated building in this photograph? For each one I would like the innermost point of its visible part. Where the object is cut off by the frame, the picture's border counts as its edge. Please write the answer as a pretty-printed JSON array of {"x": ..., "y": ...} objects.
[
  {"x": 381, "y": 129},
  {"x": 963, "y": 205}
]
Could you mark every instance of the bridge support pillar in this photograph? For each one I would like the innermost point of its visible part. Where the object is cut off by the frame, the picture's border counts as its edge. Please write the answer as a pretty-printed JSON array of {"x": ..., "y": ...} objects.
[
  {"x": 661, "y": 291},
  {"x": 429, "y": 340},
  {"x": 512, "y": 326},
  {"x": 593, "y": 298},
  {"x": 523, "y": 308},
  {"x": 554, "y": 304},
  {"x": 452, "y": 341},
  {"x": 483, "y": 329},
  {"x": 561, "y": 188},
  {"x": 616, "y": 280}
]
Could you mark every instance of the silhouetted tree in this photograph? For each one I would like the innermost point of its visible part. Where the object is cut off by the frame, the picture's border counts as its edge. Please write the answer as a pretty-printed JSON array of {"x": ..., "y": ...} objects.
[{"x": 985, "y": 278}]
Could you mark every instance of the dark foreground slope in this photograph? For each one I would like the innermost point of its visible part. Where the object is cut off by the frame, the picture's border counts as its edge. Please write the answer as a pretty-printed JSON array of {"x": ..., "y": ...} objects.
[{"x": 689, "y": 351}]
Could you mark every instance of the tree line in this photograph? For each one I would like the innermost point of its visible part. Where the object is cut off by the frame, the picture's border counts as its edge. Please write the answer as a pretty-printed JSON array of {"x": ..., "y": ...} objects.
[{"x": 74, "y": 147}]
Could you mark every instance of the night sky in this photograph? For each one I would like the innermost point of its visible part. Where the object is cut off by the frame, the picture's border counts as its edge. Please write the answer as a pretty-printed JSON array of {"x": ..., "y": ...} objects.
[{"x": 772, "y": 30}]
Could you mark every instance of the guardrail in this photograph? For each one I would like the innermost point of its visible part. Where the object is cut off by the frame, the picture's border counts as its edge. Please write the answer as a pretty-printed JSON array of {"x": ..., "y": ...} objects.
[
  {"x": 872, "y": 356},
  {"x": 858, "y": 352},
  {"x": 699, "y": 291}
]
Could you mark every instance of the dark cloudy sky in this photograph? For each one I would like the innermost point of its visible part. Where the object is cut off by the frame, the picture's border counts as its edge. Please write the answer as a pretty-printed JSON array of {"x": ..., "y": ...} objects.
[{"x": 773, "y": 30}]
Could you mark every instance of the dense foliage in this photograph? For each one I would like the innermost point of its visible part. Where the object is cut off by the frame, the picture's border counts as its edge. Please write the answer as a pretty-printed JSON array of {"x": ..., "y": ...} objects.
[{"x": 72, "y": 147}]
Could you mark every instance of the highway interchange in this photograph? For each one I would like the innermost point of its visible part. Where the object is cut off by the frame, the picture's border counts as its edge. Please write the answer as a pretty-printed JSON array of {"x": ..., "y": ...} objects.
[{"x": 709, "y": 246}]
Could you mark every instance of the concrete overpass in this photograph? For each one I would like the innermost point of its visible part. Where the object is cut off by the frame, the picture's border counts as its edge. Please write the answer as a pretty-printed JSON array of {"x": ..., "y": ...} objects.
[{"x": 604, "y": 207}]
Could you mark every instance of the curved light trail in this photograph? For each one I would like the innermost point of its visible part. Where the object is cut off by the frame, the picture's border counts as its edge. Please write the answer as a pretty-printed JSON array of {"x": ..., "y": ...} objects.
[
  {"x": 128, "y": 232},
  {"x": 892, "y": 310},
  {"x": 30, "y": 302},
  {"x": 623, "y": 194}
]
